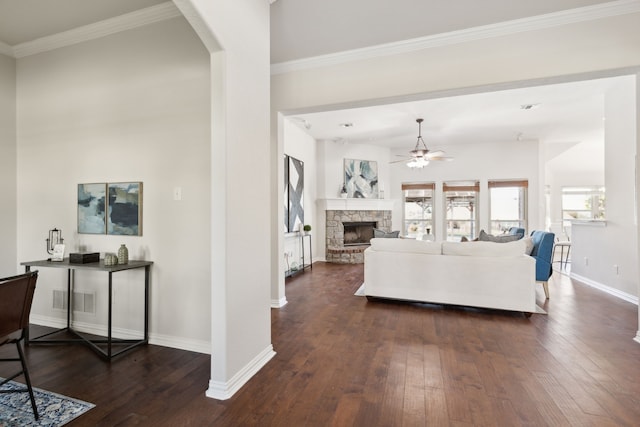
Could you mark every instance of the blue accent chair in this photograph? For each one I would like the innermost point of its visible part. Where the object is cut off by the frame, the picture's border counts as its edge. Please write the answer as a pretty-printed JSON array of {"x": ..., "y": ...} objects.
[
  {"x": 516, "y": 231},
  {"x": 543, "y": 242}
]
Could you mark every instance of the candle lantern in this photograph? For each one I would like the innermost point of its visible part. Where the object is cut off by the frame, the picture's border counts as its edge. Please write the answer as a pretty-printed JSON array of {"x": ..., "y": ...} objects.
[{"x": 55, "y": 238}]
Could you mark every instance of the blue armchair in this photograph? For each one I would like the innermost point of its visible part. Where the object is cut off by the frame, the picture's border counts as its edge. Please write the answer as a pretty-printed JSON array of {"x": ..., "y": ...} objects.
[
  {"x": 543, "y": 253},
  {"x": 516, "y": 231}
]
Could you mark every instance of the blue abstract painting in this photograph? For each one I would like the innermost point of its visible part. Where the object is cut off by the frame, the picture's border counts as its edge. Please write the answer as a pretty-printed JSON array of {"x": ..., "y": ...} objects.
[
  {"x": 124, "y": 209},
  {"x": 361, "y": 178},
  {"x": 91, "y": 208}
]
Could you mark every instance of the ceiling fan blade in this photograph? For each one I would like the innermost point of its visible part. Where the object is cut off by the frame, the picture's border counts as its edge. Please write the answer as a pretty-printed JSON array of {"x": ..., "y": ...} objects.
[
  {"x": 400, "y": 161},
  {"x": 441, "y": 158},
  {"x": 437, "y": 153}
]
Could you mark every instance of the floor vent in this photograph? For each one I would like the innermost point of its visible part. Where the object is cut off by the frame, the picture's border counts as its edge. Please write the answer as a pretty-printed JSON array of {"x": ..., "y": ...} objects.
[{"x": 82, "y": 302}]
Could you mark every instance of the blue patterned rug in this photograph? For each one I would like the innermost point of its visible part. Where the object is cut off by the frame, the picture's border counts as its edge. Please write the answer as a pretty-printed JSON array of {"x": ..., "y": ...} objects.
[{"x": 54, "y": 409}]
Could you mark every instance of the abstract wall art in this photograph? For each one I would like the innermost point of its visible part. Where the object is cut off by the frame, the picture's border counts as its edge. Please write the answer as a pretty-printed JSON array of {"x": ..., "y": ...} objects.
[
  {"x": 92, "y": 202},
  {"x": 124, "y": 209},
  {"x": 294, "y": 192},
  {"x": 110, "y": 208},
  {"x": 361, "y": 178}
]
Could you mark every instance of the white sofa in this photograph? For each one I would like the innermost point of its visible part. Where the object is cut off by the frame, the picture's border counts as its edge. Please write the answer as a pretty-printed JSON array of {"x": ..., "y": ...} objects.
[{"x": 476, "y": 274}]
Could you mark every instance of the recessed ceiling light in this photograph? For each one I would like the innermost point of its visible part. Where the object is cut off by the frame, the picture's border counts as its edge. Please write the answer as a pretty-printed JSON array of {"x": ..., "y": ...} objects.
[
  {"x": 529, "y": 106},
  {"x": 346, "y": 125}
]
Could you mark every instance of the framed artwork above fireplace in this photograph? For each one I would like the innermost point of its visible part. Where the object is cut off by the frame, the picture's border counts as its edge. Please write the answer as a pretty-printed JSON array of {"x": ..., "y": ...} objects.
[{"x": 361, "y": 178}]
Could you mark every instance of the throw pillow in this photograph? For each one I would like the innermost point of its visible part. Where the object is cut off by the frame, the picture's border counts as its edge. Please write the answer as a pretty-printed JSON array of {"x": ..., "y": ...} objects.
[
  {"x": 383, "y": 234},
  {"x": 484, "y": 237},
  {"x": 528, "y": 241}
]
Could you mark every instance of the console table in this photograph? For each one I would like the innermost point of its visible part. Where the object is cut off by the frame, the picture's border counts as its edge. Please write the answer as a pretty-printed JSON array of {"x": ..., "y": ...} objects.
[
  {"x": 110, "y": 341},
  {"x": 304, "y": 264}
]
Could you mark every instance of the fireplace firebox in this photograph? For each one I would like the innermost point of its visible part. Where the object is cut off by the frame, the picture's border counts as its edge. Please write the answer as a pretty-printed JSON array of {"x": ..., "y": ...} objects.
[{"x": 358, "y": 233}]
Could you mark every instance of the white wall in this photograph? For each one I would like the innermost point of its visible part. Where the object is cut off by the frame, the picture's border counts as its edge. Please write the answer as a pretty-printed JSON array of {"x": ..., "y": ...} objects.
[
  {"x": 242, "y": 187},
  {"x": 7, "y": 166},
  {"x": 474, "y": 162},
  {"x": 299, "y": 144},
  {"x": 615, "y": 244},
  {"x": 133, "y": 106},
  {"x": 587, "y": 169}
]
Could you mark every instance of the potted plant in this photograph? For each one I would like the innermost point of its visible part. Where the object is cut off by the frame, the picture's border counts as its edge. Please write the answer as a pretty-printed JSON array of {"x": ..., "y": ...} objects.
[{"x": 306, "y": 228}]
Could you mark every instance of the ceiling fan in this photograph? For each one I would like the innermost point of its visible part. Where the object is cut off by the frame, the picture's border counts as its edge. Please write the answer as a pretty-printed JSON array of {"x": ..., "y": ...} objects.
[{"x": 420, "y": 156}]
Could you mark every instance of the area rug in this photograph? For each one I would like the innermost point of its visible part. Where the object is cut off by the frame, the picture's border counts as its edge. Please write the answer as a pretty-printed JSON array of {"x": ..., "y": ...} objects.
[
  {"x": 360, "y": 293},
  {"x": 54, "y": 409}
]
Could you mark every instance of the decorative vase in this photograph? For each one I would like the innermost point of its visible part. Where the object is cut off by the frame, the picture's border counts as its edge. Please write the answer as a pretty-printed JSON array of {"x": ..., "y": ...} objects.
[
  {"x": 123, "y": 255},
  {"x": 110, "y": 260}
]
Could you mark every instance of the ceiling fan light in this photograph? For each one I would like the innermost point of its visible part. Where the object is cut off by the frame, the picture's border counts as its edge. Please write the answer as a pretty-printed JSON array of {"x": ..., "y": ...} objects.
[{"x": 418, "y": 163}]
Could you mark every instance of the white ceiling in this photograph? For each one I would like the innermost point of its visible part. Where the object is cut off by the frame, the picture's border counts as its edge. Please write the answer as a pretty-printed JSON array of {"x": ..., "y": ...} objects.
[
  {"x": 307, "y": 28},
  {"x": 563, "y": 113},
  {"x": 567, "y": 113},
  {"x": 304, "y": 28},
  {"x": 26, "y": 20}
]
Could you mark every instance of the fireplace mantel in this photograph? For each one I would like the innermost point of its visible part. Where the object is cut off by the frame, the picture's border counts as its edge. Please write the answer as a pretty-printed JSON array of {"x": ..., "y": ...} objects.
[{"x": 355, "y": 204}]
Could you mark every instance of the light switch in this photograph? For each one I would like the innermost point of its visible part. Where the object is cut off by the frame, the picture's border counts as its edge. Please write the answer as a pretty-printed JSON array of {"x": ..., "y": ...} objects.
[{"x": 177, "y": 193}]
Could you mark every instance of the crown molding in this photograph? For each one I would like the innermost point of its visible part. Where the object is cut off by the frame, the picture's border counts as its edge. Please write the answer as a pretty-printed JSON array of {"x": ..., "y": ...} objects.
[
  {"x": 539, "y": 22},
  {"x": 120, "y": 23}
]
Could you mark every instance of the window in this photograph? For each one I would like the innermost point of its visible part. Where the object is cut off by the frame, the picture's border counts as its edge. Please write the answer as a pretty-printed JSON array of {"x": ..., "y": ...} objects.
[
  {"x": 586, "y": 203},
  {"x": 507, "y": 205},
  {"x": 461, "y": 207},
  {"x": 418, "y": 209}
]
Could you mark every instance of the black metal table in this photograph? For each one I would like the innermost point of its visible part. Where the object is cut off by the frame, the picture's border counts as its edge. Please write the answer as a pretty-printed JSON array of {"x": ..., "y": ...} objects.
[{"x": 110, "y": 341}]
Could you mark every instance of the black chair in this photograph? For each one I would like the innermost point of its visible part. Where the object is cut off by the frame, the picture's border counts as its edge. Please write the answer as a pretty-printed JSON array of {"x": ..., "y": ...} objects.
[{"x": 16, "y": 295}]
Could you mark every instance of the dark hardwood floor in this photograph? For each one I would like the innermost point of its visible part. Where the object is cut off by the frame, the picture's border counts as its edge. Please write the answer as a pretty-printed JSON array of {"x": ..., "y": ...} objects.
[{"x": 343, "y": 361}]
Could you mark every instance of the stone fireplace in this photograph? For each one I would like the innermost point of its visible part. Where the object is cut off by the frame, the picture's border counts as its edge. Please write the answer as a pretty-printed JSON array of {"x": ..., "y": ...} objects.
[{"x": 348, "y": 233}]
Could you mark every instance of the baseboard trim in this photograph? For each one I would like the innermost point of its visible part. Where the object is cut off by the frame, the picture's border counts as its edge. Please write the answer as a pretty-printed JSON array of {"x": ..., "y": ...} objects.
[
  {"x": 637, "y": 338},
  {"x": 196, "y": 346},
  {"x": 224, "y": 390},
  {"x": 279, "y": 303},
  {"x": 608, "y": 289}
]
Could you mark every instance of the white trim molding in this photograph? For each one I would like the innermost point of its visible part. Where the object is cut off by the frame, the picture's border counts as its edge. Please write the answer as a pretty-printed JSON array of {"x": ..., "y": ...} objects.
[
  {"x": 197, "y": 346},
  {"x": 279, "y": 303},
  {"x": 608, "y": 289},
  {"x": 355, "y": 204},
  {"x": 539, "y": 22},
  {"x": 96, "y": 30},
  {"x": 224, "y": 390},
  {"x": 637, "y": 338},
  {"x": 193, "y": 16}
]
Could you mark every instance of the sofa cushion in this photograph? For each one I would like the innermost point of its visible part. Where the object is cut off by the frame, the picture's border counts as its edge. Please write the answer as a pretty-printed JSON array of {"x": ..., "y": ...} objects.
[
  {"x": 528, "y": 241},
  {"x": 406, "y": 245},
  {"x": 383, "y": 234},
  {"x": 485, "y": 249},
  {"x": 484, "y": 237}
]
